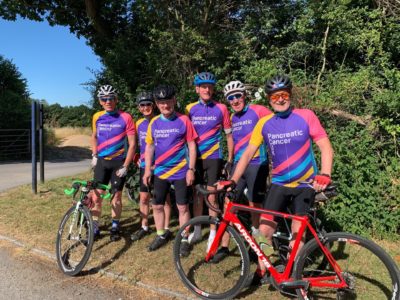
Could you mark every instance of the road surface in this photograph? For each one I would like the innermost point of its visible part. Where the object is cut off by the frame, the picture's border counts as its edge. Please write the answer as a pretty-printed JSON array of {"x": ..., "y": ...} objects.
[{"x": 15, "y": 174}]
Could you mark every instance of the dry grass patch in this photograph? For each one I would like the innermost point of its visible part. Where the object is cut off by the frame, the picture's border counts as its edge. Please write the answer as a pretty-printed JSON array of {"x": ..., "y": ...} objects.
[{"x": 64, "y": 132}]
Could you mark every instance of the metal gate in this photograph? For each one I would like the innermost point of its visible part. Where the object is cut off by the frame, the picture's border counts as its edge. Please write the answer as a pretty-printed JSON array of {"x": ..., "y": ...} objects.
[{"x": 15, "y": 143}]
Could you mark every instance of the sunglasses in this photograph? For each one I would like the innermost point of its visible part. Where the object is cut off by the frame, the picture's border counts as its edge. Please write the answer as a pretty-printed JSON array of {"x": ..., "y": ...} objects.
[
  {"x": 276, "y": 97},
  {"x": 234, "y": 96},
  {"x": 145, "y": 104},
  {"x": 105, "y": 99}
]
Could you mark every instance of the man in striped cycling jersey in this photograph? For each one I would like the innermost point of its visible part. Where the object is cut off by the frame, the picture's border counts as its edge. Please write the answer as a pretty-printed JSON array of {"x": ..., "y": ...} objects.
[
  {"x": 288, "y": 133},
  {"x": 113, "y": 147},
  {"x": 209, "y": 118},
  {"x": 170, "y": 141}
]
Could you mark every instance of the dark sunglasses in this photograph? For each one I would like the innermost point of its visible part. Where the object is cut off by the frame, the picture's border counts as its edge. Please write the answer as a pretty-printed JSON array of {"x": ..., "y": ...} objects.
[
  {"x": 105, "y": 99},
  {"x": 145, "y": 104},
  {"x": 234, "y": 96}
]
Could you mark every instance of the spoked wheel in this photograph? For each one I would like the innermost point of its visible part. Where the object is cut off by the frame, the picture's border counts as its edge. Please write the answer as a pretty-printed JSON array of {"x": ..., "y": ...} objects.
[
  {"x": 211, "y": 280},
  {"x": 74, "y": 240},
  {"x": 130, "y": 193},
  {"x": 367, "y": 269}
]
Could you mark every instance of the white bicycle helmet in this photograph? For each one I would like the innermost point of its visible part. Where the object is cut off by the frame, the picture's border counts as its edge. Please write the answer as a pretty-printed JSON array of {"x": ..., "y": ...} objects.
[
  {"x": 234, "y": 86},
  {"x": 106, "y": 90}
]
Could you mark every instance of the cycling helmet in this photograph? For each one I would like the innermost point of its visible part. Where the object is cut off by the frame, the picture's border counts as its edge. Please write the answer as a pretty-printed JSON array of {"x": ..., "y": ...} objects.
[
  {"x": 145, "y": 97},
  {"x": 106, "y": 90},
  {"x": 279, "y": 82},
  {"x": 204, "y": 77},
  {"x": 234, "y": 86},
  {"x": 164, "y": 92}
]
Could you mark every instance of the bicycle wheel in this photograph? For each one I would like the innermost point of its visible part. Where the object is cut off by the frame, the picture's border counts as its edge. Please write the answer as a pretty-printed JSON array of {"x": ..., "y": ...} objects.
[
  {"x": 222, "y": 280},
  {"x": 130, "y": 193},
  {"x": 368, "y": 270},
  {"x": 74, "y": 240}
]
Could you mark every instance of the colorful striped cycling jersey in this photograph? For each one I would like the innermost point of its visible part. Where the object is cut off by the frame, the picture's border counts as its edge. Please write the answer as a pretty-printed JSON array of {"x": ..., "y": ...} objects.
[
  {"x": 169, "y": 137},
  {"x": 243, "y": 124},
  {"x": 111, "y": 129},
  {"x": 208, "y": 119},
  {"x": 141, "y": 128},
  {"x": 290, "y": 139}
]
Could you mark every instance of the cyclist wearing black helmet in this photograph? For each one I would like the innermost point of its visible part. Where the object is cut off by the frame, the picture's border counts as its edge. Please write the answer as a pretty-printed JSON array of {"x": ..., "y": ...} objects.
[
  {"x": 209, "y": 118},
  {"x": 170, "y": 141},
  {"x": 146, "y": 105},
  {"x": 288, "y": 133},
  {"x": 113, "y": 147}
]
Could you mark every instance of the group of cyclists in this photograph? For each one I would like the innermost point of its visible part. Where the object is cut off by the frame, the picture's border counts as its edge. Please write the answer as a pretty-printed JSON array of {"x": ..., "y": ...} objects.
[{"x": 178, "y": 149}]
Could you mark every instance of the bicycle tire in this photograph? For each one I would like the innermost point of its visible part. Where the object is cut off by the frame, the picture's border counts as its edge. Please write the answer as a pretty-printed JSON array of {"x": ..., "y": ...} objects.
[
  {"x": 130, "y": 193},
  {"x": 222, "y": 280},
  {"x": 74, "y": 240},
  {"x": 367, "y": 268}
]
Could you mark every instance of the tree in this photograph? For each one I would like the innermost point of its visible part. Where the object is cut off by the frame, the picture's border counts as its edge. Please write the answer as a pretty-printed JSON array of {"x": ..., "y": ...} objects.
[{"x": 14, "y": 108}]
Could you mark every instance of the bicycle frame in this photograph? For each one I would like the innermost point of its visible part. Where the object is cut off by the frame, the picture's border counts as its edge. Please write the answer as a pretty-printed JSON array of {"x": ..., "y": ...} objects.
[{"x": 230, "y": 217}]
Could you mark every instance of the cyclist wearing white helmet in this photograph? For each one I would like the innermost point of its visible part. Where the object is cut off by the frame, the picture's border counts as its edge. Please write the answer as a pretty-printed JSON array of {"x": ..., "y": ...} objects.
[
  {"x": 113, "y": 147},
  {"x": 244, "y": 119},
  {"x": 209, "y": 118}
]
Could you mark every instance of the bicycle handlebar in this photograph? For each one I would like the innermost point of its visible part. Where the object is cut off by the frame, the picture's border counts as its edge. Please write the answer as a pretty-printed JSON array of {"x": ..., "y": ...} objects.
[
  {"x": 206, "y": 192},
  {"x": 88, "y": 184}
]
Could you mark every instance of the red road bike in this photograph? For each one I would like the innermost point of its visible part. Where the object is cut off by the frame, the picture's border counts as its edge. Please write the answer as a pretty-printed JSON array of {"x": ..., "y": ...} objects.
[{"x": 334, "y": 265}]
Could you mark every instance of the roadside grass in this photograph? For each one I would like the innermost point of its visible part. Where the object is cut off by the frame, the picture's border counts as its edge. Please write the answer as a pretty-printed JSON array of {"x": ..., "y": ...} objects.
[
  {"x": 63, "y": 132},
  {"x": 34, "y": 219}
]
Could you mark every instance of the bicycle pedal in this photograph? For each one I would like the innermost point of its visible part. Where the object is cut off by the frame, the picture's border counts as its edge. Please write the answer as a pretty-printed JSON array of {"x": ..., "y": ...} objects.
[{"x": 296, "y": 284}]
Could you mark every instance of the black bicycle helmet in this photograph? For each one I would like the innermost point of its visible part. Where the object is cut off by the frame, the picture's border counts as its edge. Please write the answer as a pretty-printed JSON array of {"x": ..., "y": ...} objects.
[
  {"x": 145, "y": 97},
  {"x": 279, "y": 82},
  {"x": 164, "y": 92}
]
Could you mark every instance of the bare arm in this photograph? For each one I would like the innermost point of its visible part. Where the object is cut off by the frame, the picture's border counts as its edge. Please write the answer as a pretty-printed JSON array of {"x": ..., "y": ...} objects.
[
  {"x": 131, "y": 150},
  {"x": 192, "y": 162},
  {"x": 148, "y": 158},
  {"x": 326, "y": 149},
  {"x": 229, "y": 141},
  {"x": 93, "y": 142}
]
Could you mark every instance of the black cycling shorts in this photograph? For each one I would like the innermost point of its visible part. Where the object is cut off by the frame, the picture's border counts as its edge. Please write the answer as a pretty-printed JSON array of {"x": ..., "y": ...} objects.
[
  {"x": 162, "y": 187},
  {"x": 105, "y": 170},
  {"x": 143, "y": 188},
  {"x": 212, "y": 167},
  {"x": 255, "y": 179},
  {"x": 281, "y": 197}
]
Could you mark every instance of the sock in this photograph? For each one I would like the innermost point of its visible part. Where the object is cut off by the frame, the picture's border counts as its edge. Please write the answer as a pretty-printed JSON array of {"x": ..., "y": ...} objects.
[
  {"x": 96, "y": 227},
  {"x": 166, "y": 228},
  {"x": 145, "y": 228},
  {"x": 197, "y": 231},
  {"x": 114, "y": 224},
  {"x": 161, "y": 232}
]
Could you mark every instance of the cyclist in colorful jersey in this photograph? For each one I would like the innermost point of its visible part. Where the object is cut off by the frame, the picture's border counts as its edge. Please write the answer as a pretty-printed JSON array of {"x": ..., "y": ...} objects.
[
  {"x": 113, "y": 146},
  {"x": 146, "y": 105},
  {"x": 170, "y": 141},
  {"x": 244, "y": 119},
  {"x": 289, "y": 134},
  {"x": 209, "y": 118}
]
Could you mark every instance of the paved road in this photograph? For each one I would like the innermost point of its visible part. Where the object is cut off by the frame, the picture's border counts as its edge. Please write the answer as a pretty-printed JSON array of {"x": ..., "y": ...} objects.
[{"x": 15, "y": 174}]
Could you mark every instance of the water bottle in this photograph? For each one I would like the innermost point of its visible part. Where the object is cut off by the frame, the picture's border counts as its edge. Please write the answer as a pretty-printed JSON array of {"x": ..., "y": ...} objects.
[{"x": 262, "y": 241}]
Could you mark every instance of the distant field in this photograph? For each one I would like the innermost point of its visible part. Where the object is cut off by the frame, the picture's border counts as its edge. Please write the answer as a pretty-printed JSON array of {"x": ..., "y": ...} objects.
[{"x": 64, "y": 132}]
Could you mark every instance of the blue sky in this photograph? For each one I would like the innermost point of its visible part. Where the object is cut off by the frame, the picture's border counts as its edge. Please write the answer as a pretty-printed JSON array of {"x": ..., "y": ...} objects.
[{"x": 54, "y": 62}]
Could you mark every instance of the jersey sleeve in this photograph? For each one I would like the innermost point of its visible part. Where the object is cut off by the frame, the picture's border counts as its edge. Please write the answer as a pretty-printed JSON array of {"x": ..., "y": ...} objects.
[
  {"x": 256, "y": 138},
  {"x": 226, "y": 120},
  {"x": 317, "y": 132},
  {"x": 149, "y": 136},
  {"x": 191, "y": 133},
  {"x": 94, "y": 121},
  {"x": 130, "y": 125}
]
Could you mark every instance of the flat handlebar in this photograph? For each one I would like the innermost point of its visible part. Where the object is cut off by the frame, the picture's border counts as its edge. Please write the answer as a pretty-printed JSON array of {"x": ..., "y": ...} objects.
[{"x": 91, "y": 185}]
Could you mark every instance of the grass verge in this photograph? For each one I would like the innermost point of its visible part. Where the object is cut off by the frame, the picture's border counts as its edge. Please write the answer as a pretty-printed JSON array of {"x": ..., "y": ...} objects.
[{"x": 34, "y": 219}]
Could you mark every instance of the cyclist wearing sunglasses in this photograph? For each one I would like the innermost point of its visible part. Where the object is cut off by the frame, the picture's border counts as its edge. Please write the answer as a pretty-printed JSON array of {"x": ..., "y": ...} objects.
[
  {"x": 288, "y": 133},
  {"x": 170, "y": 140},
  {"x": 113, "y": 147},
  {"x": 209, "y": 118},
  {"x": 244, "y": 119},
  {"x": 146, "y": 105}
]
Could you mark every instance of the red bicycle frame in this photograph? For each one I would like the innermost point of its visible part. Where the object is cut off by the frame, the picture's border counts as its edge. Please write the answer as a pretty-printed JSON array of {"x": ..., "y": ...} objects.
[{"x": 230, "y": 217}]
